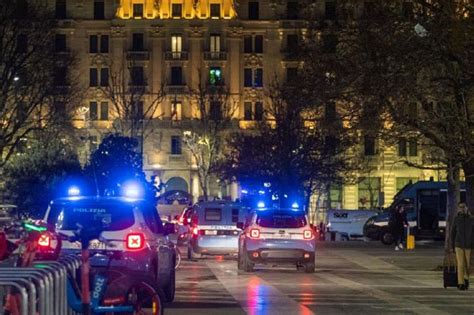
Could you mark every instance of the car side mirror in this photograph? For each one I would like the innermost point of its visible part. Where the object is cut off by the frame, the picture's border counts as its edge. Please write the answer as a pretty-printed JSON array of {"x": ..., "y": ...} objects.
[
  {"x": 169, "y": 228},
  {"x": 240, "y": 225}
]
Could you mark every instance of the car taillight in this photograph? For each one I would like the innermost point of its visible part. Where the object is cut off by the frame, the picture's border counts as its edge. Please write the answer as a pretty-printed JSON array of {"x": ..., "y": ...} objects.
[
  {"x": 308, "y": 234},
  {"x": 254, "y": 233},
  {"x": 195, "y": 231},
  {"x": 135, "y": 241},
  {"x": 44, "y": 240}
]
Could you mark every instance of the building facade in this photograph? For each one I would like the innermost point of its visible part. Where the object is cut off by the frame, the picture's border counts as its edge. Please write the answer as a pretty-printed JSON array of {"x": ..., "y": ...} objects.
[{"x": 170, "y": 46}]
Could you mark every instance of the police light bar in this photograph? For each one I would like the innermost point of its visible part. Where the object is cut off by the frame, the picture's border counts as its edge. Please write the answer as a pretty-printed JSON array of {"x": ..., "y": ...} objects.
[
  {"x": 261, "y": 204},
  {"x": 73, "y": 191}
]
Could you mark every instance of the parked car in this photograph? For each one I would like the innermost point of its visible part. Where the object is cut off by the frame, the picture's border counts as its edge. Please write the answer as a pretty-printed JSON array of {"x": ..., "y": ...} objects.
[{"x": 134, "y": 227}]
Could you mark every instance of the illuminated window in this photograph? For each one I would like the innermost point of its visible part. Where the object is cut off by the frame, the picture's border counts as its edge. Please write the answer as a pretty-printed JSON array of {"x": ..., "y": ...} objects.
[
  {"x": 215, "y": 10},
  {"x": 215, "y": 76},
  {"x": 176, "y": 46},
  {"x": 137, "y": 10},
  {"x": 176, "y": 10},
  {"x": 215, "y": 43},
  {"x": 176, "y": 110}
]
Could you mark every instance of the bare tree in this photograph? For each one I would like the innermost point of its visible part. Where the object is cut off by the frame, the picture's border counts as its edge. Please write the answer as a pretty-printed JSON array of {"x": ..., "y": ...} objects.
[
  {"x": 36, "y": 90},
  {"x": 214, "y": 108},
  {"x": 134, "y": 105}
]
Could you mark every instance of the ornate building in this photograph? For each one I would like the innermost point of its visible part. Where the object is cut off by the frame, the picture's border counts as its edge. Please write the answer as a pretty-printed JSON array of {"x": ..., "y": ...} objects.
[{"x": 170, "y": 46}]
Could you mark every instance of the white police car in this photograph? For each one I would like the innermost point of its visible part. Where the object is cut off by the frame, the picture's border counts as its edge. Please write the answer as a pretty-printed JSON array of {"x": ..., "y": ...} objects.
[
  {"x": 132, "y": 227},
  {"x": 277, "y": 236}
]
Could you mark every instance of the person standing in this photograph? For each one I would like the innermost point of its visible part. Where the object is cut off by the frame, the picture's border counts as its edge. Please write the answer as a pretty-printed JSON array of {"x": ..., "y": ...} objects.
[
  {"x": 461, "y": 238},
  {"x": 397, "y": 224}
]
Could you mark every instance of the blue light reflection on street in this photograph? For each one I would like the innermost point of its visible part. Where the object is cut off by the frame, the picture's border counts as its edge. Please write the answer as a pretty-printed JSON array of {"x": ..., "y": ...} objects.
[{"x": 257, "y": 296}]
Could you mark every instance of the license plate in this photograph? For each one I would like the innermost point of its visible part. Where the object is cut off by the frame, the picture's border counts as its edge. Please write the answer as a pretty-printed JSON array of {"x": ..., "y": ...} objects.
[
  {"x": 96, "y": 244},
  {"x": 210, "y": 232}
]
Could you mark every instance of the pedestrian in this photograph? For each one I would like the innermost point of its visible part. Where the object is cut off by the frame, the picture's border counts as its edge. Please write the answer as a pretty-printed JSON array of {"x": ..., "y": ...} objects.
[
  {"x": 461, "y": 238},
  {"x": 397, "y": 224}
]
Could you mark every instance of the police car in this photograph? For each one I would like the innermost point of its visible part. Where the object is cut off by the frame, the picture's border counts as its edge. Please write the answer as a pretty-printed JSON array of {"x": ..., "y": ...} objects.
[
  {"x": 277, "y": 236},
  {"x": 132, "y": 227}
]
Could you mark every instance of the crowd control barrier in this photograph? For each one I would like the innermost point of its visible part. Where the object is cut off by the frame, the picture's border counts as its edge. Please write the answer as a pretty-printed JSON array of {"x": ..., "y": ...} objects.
[{"x": 40, "y": 289}]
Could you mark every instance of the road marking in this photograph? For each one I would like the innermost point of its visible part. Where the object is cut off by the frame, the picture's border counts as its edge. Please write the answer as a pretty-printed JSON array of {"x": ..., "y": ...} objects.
[{"x": 255, "y": 295}]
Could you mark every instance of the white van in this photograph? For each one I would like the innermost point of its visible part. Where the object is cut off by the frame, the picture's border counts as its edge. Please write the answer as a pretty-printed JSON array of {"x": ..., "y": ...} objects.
[{"x": 349, "y": 223}]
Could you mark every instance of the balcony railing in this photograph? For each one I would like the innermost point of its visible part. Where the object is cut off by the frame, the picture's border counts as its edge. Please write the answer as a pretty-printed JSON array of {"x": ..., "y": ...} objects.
[
  {"x": 292, "y": 23},
  {"x": 138, "y": 55},
  {"x": 215, "y": 55},
  {"x": 173, "y": 89},
  {"x": 176, "y": 55}
]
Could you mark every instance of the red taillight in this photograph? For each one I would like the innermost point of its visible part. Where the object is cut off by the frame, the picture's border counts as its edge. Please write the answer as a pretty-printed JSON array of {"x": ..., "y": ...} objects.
[
  {"x": 44, "y": 240},
  {"x": 254, "y": 233},
  {"x": 135, "y": 241},
  {"x": 195, "y": 231},
  {"x": 308, "y": 234}
]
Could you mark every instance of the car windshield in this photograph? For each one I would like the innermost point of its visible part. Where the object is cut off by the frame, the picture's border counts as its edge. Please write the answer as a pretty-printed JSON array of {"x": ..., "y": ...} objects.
[
  {"x": 111, "y": 216},
  {"x": 281, "y": 219}
]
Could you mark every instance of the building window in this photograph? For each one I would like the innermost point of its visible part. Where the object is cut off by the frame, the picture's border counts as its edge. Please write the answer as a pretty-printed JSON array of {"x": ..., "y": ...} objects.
[
  {"x": 93, "y": 77},
  {"x": 248, "y": 82},
  {"x": 215, "y": 10},
  {"x": 61, "y": 76},
  {"x": 330, "y": 43},
  {"x": 215, "y": 111},
  {"x": 369, "y": 193},
  {"x": 22, "y": 43},
  {"x": 412, "y": 148},
  {"x": 137, "y": 110},
  {"x": 258, "y": 79},
  {"x": 403, "y": 181},
  {"x": 137, "y": 42},
  {"x": 215, "y": 76},
  {"x": 137, "y": 76},
  {"x": 369, "y": 146},
  {"x": 291, "y": 75},
  {"x": 215, "y": 43},
  {"x": 60, "y": 11},
  {"x": 93, "y": 44},
  {"x": 176, "y": 10},
  {"x": 138, "y": 10},
  {"x": 176, "y": 145},
  {"x": 335, "y": 196},
  {"x": 176, "y": 46},
  {"x": 104, "y": 44},
  {"x": 60, "y": 43},
  {"x": 254, "y": 13},
  {"x": 292, "y": 10},
  {"x": 93, "y": 115},
  {"x": 258, "y": 111},
  {"x": 97, "y": 112},
  {"x": 176, "y": 110},
  {"x": 248, "y": 112},
  {"x": 104, "y": 77},
  {"x": 292, "y": 43},
  {"x": 99, "y": 10},
  {"x": 176, "y": 76},
  {"x": 104, "y": 111},
  {"x": 253, "y": 44},
  {"x": 330, "y": 10},
  {"x": 407, "y": 147}
]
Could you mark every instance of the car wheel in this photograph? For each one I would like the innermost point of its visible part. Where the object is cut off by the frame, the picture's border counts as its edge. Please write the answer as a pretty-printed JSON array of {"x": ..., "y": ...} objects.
[
  {"x": 309, "y": 268},
  {"x": 386, "y": 237},
  {"x": 170, "y": 289},
  {"x": 246, "y": 263}
]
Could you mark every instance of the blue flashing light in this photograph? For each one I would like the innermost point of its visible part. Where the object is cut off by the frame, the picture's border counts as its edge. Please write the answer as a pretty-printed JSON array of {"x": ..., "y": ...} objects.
[
  {"x": 245, "y": 191},
  {"x": 132, "y": 190},
  {"x": 295, "y": 205},
  {"x": 73, "y": 191},
  {"x": 261, "y": 204},
  {"x": 261, "y": 192}
]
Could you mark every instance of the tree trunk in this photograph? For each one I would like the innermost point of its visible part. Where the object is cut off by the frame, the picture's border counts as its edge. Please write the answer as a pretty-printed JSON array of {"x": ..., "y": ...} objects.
[
  {"x": 454, "y": 196},
  {"x": 468, "y": 168}
]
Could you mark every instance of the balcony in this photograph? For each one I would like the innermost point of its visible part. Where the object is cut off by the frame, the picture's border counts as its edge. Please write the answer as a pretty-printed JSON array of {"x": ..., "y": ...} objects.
[
  {"x": 176, "y": 89},
  {"x": 292, "y": 24},
  {"x": 215, "y": 55},
  {"x": 138, "y": 55},
  {"x": 176, "y": 55}
]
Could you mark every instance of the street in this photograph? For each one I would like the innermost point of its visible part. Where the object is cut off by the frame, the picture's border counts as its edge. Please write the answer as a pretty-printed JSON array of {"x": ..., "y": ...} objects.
[{"x": 350, "y": 278}]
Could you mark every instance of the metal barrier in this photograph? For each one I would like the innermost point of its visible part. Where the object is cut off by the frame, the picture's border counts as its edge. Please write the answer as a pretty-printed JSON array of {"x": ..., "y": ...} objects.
[{"x": 42, "y": 288}]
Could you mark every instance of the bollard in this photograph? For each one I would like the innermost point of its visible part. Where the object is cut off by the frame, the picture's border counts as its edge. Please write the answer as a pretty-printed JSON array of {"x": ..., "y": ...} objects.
[{"x": 410, "y": 240}]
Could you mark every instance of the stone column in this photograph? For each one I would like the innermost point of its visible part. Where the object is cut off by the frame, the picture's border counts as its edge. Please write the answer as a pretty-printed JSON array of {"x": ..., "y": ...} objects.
[{"x": 234, "y": 37}]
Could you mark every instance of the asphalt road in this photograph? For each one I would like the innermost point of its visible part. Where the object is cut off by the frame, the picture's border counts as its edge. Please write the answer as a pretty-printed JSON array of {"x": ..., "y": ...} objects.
[{"x": 350, "y": 278}]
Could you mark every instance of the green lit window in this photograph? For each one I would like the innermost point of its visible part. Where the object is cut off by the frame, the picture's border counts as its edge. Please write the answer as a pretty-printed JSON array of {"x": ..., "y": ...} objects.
[{"x": 215, "y": 75}]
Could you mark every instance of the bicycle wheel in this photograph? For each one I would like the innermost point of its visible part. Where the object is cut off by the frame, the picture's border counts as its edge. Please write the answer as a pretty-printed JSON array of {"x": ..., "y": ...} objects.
[
  {"x": 178, "y": 258},
  {"x": 149, "y": 305}
]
